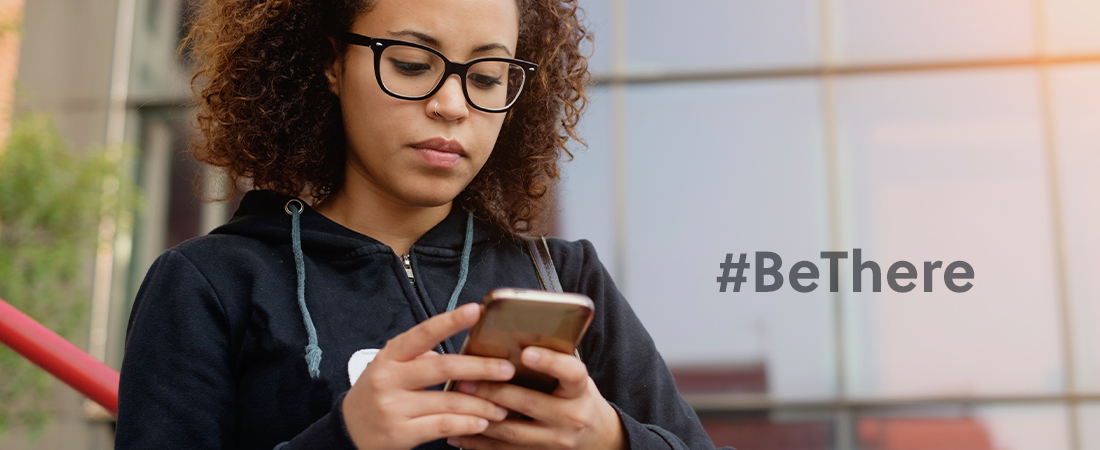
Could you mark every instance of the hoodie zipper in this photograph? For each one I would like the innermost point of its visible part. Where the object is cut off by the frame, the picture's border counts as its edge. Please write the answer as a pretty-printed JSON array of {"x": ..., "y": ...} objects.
[
  {"x": 409, "y": 271},
  {"x": 407, "y": 262}
]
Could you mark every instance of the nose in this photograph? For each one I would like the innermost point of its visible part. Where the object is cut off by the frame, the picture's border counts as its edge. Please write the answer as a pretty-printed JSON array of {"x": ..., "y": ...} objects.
[{"x": 449, "y": 103}]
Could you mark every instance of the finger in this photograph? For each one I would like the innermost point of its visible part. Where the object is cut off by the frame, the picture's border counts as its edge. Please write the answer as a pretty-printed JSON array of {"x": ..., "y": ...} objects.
[
  {"x": 482, "y": 442},
  {"x": 571, "y": 373},
  {"x": 524, "y": 434},
  {"x": 429, "y": 333},
  {"x": 430, "y": 371},
  {"x": 477, "y": 442},
  {"x": 438, "y": 426},
  {"x": 438, "y": 402},
  {"x": 531, "y": 403}
]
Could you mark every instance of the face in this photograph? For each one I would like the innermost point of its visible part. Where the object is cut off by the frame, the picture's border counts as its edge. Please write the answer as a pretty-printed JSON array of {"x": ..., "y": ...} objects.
[{"x": 403, "y": 151}]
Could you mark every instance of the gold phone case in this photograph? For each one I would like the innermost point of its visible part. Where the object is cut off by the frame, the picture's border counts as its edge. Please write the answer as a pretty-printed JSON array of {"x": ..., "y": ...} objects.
[{"x": 514, "y": 319}]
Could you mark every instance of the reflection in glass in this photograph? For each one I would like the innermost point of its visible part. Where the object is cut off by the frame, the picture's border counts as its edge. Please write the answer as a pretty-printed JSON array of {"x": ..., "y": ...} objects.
[
  {"x": 1076, "y": 108},
  {"x": 713, "y": 35},
  {"x": 728, "y": 167},
  {"x": 1071, "y": 26},
  {"x": 944, "y": 167},
  {"x": 585, "y": 193},
  {"x": 876, "y": 32},
  {"x": 970, "y": 427},
  {"x": 598, "y": 16},
  {"x": 1088, "y": 416},
  {"x": 770, "y": 431}
]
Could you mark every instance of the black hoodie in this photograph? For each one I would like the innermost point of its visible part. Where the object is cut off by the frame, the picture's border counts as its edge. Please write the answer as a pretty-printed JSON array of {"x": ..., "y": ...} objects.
[{"x": 215, "y": 344}]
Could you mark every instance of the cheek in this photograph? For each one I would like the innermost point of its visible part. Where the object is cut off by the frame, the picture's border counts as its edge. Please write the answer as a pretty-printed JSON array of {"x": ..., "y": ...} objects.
[
  {"x": 360, "y": 93},
  {"x": 490, "y": 134},
  {"x": 371, "y": 115}
]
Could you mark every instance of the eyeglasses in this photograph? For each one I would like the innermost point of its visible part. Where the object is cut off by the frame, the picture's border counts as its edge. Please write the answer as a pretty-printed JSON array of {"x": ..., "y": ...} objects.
[{"x": 411, "y": 71}]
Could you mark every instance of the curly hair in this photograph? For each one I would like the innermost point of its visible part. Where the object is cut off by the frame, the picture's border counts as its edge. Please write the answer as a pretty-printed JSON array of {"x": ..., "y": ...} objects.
[{"x": 266, "y": 114}]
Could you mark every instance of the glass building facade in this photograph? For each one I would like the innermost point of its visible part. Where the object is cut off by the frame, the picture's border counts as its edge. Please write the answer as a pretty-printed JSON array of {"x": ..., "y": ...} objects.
[{"x": 910, "y": 130}]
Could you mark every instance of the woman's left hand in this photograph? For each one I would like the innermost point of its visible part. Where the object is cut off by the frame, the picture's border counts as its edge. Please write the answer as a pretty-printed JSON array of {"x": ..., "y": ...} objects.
[{"x": 575, "y": 416}]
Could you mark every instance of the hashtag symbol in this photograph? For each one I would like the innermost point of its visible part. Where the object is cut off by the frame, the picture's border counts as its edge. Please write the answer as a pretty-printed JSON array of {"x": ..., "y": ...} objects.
[{"x": 726, "y": 278}]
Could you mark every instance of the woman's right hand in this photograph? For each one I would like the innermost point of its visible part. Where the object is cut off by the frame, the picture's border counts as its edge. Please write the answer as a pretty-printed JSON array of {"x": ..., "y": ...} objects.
[{"x": 388, "y": 408}]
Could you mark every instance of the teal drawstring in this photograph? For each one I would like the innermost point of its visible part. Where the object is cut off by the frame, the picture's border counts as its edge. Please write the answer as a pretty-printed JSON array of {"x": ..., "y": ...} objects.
[
  {"x": 464, "y": 267},
  {"x": 313, "y": 351}
]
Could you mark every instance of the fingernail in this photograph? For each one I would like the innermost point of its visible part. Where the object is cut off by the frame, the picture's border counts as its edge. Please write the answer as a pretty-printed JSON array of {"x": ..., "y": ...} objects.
[
  {"x": 483, "y": 423},
  {"x": 530, "y": 356},
  {"x": 453, "y": 442},
  {"x": 507, "y": 369},
  {"x": 467, "y": 387},
  {"x": 502, "y": 412}
]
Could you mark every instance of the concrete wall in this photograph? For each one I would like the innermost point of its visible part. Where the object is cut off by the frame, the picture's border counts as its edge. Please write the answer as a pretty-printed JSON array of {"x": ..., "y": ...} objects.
[{"x": 65, "y": 65}]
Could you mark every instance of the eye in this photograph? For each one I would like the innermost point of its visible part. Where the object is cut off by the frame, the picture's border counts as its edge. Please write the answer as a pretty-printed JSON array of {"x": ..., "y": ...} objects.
[
  {"x": 482, "y": 81},
  {"x": 410, "y": 68}
]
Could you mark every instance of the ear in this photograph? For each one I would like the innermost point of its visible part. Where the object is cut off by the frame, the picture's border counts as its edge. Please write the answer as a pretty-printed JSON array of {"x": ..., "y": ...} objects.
[{"x": 333, "y": 68}]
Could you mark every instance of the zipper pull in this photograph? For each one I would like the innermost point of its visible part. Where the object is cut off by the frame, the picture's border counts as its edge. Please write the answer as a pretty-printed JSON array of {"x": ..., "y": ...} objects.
[
  {"x": 408, "y": 267},
  {"x": 412, "y": 280}
]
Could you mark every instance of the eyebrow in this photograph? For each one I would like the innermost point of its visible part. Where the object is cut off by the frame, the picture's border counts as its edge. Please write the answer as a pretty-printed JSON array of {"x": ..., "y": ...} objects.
[{"x": 428, "y": 39}]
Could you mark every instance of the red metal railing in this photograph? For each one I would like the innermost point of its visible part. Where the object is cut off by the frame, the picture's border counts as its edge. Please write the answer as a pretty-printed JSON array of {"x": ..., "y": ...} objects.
[{"x": 60, "y": 358}]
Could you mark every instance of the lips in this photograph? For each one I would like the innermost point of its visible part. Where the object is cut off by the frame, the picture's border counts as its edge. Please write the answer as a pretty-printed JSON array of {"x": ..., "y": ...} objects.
[{"x": 439, "y": 152}]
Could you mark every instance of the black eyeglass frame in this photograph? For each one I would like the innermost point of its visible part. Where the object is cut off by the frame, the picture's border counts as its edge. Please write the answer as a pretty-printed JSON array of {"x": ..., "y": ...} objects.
[{"x": 378, "y": 45}]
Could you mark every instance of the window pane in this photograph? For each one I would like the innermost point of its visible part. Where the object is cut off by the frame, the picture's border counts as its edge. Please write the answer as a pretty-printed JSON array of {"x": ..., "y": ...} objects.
[
  {"x": 1089, "y": 416},
  {"x": 585, "y": 202},
  {"x": 708, "y": 35},
  {"x": 949, "y": 166},
  {"x": 155, "y": 74},
  {"x": 875, "y": 31},
  {"x": 728, "y": 167},
  {"x": 967, "y": 427},
  {"x": 598, "y": 14},
  {"x": 1072, "y": 26},
  {"x": 1076, "y": 100},
  {"x": 770, "y": 431}
]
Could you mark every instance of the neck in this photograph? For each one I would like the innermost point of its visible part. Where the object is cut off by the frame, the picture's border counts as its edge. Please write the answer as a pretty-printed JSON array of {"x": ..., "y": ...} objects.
[{"x": 396, "y": 225}]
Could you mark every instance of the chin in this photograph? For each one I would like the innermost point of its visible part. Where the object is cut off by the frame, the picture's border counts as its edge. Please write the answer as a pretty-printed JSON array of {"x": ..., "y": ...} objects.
[{"x": 430, "y": 198}]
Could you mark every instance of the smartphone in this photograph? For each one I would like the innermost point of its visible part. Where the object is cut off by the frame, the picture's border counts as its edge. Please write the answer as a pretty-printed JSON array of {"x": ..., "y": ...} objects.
[{"x": 513, "y": 319}]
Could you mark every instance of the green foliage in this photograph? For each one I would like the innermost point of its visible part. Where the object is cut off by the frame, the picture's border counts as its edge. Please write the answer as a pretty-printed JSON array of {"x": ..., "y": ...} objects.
[{"x": 51, "y": 200}]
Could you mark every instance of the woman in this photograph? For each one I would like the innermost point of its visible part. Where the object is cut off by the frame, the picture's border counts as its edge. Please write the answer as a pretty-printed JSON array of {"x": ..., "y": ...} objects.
[{"x": 423, "y": 172}]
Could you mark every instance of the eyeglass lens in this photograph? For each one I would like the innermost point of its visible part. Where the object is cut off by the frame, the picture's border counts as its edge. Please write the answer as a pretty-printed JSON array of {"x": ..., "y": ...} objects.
[{"x": 413, "y": 72}]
